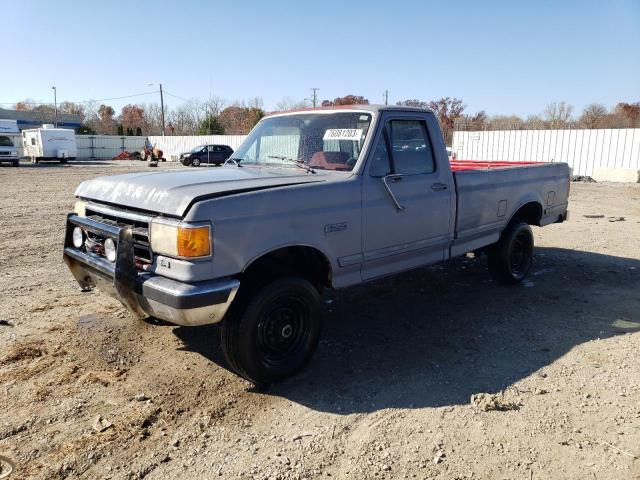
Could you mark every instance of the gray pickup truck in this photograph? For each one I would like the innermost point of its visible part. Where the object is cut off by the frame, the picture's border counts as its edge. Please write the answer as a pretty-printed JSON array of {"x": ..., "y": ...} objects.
[{"x": 313, "y": 199}]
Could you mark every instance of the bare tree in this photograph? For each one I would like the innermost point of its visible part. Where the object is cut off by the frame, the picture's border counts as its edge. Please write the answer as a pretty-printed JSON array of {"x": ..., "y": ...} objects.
[
  {"x": 288, "y": 103},
  {"x": 152, "y": 119},
  {"x": 25, "y": 105},
  {"x": 558, "y": 115},
  {"x": 213, "y": 105},
  {"x": 448, "y": 110},
  {"x": 413, "y": 103},
  {"x": 592, "y": 115}
]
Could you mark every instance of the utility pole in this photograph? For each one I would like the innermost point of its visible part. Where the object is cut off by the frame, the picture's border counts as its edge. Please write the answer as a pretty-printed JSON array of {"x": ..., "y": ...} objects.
[
  {"x": 55, "y": 105},
  {"x": 162, "y": 108},
  {"x": 315, "y": 97},
  {"x": 386, "y": 97},
  {"x": 161, "y": 104}
]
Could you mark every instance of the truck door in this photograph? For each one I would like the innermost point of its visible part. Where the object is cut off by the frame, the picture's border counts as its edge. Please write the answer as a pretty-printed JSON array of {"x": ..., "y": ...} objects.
[{"x": 406, "y": 199}]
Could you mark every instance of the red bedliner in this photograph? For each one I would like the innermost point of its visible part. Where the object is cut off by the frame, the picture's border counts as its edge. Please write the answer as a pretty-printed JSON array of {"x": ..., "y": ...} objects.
[{"x": 462, "y": 165}]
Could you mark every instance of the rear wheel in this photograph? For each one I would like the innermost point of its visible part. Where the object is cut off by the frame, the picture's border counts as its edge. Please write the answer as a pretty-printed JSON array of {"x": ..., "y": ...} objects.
[
  {"x": 511, "y": 257},
  {"x": 195, "y": 162},
  {"x": 275, "y": 333}
]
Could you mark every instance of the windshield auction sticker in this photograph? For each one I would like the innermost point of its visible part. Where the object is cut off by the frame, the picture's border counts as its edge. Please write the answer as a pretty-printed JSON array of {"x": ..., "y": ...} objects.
[{"x": 343, "y": 134}]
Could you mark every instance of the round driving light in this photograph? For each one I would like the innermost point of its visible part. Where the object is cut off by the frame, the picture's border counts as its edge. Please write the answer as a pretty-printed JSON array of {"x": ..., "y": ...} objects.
[
  {"x": 110, "y": 250},
  {"x": 78, "y": 237}
]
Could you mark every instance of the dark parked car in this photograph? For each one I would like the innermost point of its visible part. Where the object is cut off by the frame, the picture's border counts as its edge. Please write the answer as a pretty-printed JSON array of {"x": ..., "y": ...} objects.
[{"x": 206, "y": 154}]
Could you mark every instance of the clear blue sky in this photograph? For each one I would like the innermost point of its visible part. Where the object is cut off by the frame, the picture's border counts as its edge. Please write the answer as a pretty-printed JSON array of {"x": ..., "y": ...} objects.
[{"x": 501, "y": 56}]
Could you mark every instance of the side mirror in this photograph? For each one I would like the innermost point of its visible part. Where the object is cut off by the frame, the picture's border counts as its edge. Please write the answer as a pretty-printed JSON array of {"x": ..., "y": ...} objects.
[{"x": 393, "y": 178}]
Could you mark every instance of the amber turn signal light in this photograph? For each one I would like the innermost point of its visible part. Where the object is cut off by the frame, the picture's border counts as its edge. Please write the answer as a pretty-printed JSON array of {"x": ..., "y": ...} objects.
[{"x": 194, "y": 241}]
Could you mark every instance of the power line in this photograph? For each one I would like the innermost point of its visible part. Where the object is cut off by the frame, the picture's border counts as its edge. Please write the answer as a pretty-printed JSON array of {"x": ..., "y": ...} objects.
[{"x": 34, "y": 102}]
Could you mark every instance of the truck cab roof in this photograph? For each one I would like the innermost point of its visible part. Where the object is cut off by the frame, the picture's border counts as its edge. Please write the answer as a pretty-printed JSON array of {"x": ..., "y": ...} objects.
[{"x": 373, "y": 108}]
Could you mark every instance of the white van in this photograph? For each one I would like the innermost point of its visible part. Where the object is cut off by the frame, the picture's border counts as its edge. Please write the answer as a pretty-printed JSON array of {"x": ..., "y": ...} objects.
[
  {"x": 9, "y": 134},
  {"x": 49, "y": 143}
]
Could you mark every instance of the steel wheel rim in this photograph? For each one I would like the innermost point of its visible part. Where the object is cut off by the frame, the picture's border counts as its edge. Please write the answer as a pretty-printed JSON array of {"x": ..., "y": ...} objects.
[
  {"x": 520, "y": 254},
  {"x": 283, "y": 331}
]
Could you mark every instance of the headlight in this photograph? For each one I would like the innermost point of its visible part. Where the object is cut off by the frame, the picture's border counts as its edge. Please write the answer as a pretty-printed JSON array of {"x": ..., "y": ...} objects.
[
  {"x": 80, "y": 208},
  {"x": 110, "y": 249},
  {"x": 181, "y": 239},
  {"x": 77, "y": 237}
]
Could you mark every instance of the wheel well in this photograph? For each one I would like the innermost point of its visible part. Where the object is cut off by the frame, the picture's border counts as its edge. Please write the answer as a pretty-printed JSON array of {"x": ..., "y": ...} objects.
[
  {"x": 303, "y": 261},
  {"x": 529, "y": 212}
]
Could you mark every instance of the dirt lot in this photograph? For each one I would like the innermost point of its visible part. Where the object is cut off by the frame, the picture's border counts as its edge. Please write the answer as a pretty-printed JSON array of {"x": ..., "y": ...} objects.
[{"x": 86, "y": 392}]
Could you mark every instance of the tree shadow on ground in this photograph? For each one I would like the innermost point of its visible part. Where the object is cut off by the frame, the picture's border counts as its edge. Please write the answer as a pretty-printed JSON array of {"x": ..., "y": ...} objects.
[{"x": 434, "y": 336}]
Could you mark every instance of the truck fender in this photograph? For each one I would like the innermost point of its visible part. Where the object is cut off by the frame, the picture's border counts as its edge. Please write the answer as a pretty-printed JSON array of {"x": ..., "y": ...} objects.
[{"x": 320, "y": 253}]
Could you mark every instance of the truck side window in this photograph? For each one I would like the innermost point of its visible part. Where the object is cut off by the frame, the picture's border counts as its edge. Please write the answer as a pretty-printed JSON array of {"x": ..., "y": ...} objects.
[
  {"x": 380, "y": 165},
  {"x": 412, "y": 153}
]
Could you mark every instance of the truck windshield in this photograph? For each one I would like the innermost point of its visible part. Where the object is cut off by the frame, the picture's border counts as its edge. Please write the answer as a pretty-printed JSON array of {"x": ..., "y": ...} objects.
[
  {"x": 325, "y": 141},
  {"x": 5, "y": 141}
]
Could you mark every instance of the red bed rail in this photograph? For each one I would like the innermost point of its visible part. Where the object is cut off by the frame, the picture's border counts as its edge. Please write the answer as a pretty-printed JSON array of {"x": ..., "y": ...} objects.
[{"x": 461, "y": 165}]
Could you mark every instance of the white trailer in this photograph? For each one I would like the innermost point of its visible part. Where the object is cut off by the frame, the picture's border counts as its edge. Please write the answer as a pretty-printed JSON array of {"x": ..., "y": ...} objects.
[
  {"x": 9, "y": 135},
  {"x": 49, "y": 143}
]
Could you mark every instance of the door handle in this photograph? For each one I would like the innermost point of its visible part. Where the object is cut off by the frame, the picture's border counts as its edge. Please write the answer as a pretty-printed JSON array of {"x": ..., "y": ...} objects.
[{"x": 439, "y": 186}]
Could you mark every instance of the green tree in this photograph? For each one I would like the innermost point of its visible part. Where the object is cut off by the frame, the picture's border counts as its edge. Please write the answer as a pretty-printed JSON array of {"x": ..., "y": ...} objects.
[
  {"x": 120, "y": 130},
  {"x": 210, "y": 126}
]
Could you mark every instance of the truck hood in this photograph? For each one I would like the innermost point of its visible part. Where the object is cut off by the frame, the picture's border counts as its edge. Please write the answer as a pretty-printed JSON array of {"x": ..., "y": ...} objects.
[{"x": 172, "y": 192}]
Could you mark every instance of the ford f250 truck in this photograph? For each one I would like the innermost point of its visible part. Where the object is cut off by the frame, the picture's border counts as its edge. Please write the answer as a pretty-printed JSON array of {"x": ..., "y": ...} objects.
[{"x": 312, "y": 199}]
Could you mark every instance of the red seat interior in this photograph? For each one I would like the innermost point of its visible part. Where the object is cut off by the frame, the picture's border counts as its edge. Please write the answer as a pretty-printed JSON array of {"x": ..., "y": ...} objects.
[{"x": 329, "y": 160}]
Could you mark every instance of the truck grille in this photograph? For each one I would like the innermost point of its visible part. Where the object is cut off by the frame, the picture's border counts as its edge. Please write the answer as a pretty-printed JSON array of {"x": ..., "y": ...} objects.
[{"x": 118, "y": 218}]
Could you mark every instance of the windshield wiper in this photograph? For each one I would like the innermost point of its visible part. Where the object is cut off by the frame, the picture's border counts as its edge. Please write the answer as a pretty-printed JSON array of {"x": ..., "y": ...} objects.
[{"x": 298, "y": 163}]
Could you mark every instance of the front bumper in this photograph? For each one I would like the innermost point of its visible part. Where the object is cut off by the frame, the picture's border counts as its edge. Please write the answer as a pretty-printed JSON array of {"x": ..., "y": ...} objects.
[{"x": 144, "y": 293}]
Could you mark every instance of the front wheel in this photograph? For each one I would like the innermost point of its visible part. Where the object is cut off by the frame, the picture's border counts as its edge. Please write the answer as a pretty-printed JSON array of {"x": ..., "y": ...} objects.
[
  {"x": 275, "y": 334},
  {"x": 511, "y": 257}
]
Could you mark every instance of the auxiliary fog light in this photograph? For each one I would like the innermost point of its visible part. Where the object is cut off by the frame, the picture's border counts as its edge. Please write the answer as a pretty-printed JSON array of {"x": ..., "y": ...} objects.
[
  {"x": 78, "y": 237},
  {"x": 110, "y": 250}
]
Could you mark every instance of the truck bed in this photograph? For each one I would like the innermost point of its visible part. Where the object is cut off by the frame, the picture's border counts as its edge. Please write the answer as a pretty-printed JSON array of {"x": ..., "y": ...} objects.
[{"x": 489, "y": 193}]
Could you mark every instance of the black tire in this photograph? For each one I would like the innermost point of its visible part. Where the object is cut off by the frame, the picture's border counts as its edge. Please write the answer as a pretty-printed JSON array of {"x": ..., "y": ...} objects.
[
  {"x": 63, "y": 160},
  {"x": 510, "y": 258},
  {"x": 273, "y": 334},
  {"x": 195, "y": 162},
  {"x": 16, "y": 163}
]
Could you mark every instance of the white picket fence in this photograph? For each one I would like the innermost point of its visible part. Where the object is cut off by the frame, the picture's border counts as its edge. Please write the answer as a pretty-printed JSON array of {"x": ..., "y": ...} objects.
[{"x": 581, "y": 149}]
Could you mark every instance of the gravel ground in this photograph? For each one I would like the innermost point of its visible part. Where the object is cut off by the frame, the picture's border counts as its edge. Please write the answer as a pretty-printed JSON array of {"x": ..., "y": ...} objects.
[{"x": 437, "y": 373}]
